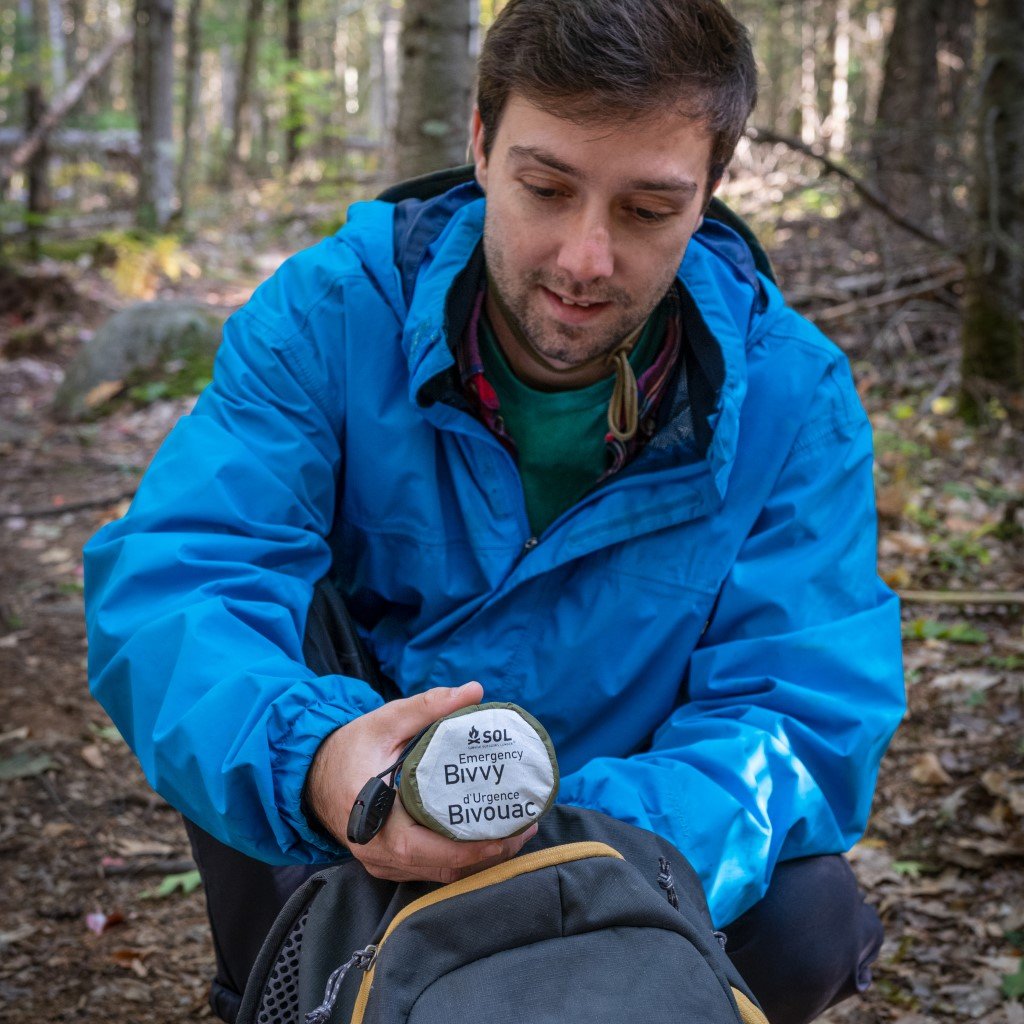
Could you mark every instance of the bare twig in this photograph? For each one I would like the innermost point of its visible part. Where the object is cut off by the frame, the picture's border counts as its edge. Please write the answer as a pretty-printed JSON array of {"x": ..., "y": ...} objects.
[
  {"x": 870, "y": 194},
  {"x": 71, "y": 506},
  {"x": 887, "y": 298},
  {"x": 60, "y": 107},
  {"x": 962, "y": 596},
  {"x": 150, "y": 867}
]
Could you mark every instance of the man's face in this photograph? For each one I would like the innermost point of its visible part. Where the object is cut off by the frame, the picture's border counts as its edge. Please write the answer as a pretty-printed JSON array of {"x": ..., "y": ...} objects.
[{"x": 596, "y": 215}]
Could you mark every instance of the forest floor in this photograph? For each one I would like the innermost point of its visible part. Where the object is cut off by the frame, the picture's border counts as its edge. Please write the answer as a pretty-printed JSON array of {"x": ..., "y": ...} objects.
[{"x": 98, "y": 920}]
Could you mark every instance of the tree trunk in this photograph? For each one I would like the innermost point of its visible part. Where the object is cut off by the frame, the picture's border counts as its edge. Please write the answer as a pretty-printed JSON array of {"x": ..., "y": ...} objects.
[
  {"x": 241, "y": 136},
  {"x": 993, "y": 352},
  {"x": 193, "y": 54},
  {"x": 154, "y": 104},
  {"x": 905, "y": 127},
  {"x": 433, "y": 112},
  {"x": 58, "y": 57},
  {"x": 839, "y": 117},
  {"x": 293, "y": 50},
  {"x": 58, "y": 109},
  {"x": 809, "y": 120},
  {"x": 955, "y": 42},
  {"x": 29, "y": 37}
]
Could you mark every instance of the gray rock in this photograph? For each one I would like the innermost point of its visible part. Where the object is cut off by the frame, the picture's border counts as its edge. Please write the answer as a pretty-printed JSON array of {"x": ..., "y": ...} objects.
[{"x": 134, "y": 345}]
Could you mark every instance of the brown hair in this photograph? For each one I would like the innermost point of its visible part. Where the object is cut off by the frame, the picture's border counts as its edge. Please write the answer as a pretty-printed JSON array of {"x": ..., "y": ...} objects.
[{"x": 621, "y": 60}]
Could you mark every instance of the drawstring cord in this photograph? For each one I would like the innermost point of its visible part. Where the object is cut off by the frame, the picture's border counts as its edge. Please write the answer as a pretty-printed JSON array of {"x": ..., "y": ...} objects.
[
  {"x": 667, "y": 883},
  {"x": 362, "y": 959},
  {"x": 623, "y": 409}
]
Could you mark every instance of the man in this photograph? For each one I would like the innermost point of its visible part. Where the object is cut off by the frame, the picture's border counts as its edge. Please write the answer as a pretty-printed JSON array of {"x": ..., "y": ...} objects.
[{"x": 549, "y": 431}]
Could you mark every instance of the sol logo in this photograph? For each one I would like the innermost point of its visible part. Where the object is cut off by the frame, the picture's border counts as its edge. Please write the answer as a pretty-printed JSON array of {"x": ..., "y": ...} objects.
[{"x": 489, "y": 735}]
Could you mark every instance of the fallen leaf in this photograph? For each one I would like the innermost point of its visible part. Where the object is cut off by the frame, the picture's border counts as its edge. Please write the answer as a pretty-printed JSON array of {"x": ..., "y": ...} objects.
[
  {"x": 13, "y": 639},
  {"x": 899, "y": 542},
  {"x": 103, "y": 392},
  {"x": 14, "y": 734},
  {"x": 98, "y": 922},
  {"x": 1006, "y": 785},
  {"x": 132, "y": 960},
  {"x": 897, "y": 579},
  {"x": 187, "y": 882},
  {"x": 93, "y": 757},
  {"x": 965, "y": 680},
  {"x": 53, "y": 555},
  {"x": 928, "y": 772},
  {"x": 142, "y": 848},
  {"x": 15, "y": 936},
  {"x": 24, "y": 765},
  {"x": 55, "y": 829}
]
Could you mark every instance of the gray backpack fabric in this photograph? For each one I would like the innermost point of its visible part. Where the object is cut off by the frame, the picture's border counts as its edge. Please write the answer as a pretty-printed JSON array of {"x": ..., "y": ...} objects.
[{"x": 594, "y": 922}]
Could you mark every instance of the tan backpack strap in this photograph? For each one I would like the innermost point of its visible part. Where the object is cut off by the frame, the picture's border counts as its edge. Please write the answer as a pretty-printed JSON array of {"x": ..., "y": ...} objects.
[
  {"x": 749, "y": 1013},
  {"x": 491, "y": 876}
]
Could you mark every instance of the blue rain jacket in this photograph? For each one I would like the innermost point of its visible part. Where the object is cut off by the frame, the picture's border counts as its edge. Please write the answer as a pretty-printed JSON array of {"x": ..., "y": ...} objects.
[{"x": 704, "y": 635}]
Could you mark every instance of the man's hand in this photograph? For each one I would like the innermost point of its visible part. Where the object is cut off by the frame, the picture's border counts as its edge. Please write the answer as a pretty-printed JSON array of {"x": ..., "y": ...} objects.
[{"x": 403, "y": 850}]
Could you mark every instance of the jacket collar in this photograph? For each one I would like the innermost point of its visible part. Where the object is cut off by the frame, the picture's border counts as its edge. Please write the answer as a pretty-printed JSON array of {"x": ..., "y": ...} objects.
[{"x": 727, "y": 303}]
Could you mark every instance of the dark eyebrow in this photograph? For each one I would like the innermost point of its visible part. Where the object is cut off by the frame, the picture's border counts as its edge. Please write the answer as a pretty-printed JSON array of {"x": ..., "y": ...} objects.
[{"x": 684, "y": 186}]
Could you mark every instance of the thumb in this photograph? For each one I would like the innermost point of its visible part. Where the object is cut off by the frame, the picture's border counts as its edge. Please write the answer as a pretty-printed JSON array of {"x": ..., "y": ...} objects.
[{"x": 415, "y": 713}]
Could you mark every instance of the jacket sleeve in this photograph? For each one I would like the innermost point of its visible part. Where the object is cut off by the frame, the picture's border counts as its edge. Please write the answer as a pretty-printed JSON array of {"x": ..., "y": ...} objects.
[
  {"x": 791, "y": 702},
  {"x": 196, "y": 600}
]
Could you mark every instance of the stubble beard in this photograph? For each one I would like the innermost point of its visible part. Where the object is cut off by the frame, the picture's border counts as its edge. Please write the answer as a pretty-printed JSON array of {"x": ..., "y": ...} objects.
[{"x": 570, "y": 344}]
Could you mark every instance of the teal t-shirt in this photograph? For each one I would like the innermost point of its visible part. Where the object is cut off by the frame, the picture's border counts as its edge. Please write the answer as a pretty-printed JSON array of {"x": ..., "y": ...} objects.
[{"x": 559, "y": 435}]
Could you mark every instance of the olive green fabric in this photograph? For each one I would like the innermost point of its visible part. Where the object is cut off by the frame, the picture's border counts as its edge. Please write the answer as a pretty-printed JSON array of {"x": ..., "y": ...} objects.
[
  {"x": 410, "y": 779},
  {"x": 559, "y": 435}
]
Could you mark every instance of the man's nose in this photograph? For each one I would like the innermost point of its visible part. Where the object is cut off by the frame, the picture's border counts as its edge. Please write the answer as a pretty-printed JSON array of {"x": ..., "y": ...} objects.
[{"x": 586, "y": 254}]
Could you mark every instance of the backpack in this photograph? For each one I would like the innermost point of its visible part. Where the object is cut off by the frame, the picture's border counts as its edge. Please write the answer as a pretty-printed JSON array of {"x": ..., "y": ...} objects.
[{"x": 594, "y": 921}]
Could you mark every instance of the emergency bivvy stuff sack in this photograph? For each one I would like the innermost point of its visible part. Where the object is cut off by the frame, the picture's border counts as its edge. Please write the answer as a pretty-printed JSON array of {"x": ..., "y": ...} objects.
[{"x": 593, "y": 922}]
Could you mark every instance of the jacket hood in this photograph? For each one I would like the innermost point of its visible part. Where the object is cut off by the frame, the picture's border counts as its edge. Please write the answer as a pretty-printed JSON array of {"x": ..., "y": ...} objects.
[{"x": 433, "y": 240}]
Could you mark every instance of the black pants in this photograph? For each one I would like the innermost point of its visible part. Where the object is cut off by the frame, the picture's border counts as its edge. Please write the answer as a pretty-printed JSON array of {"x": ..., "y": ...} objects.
[{"x": 806, "y": 946}]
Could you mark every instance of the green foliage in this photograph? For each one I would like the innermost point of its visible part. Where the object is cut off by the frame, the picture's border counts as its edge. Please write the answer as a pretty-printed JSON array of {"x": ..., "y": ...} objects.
[
  {"x": 954, "y": 632},
  {"x": 181, "y": 378},
  {"x": 138, "y": 261},
  {"x": 1009, "y": 663},
  {"x": 954, "y": 554},
  {"x": 186, "y": 883},
  {"x": 1013, "y": 984},
  {"x": 914, "y": 868},
  {"x": 889, "y": 442}
]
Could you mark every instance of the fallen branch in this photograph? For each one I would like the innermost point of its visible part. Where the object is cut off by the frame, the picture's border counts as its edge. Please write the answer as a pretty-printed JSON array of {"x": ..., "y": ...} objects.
[
  {"x": 962, "y": 596},
  {"x": 151, "y": 867},
  {"x": 60, "y": 108},
  {"x": 845, "y": 309},
  {"x": 873, "y": 197},
  {"x": 71, "y": 506}
]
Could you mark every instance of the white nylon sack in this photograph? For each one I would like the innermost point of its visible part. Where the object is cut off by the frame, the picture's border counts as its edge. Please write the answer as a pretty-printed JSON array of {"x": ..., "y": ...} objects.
[{"x": 484, "y": 772}]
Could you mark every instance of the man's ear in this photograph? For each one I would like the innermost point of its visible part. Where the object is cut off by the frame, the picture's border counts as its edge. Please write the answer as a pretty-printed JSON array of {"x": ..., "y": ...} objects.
[
  {"x": 712, "y": 186},
  {"x": 479, "y": 156}
]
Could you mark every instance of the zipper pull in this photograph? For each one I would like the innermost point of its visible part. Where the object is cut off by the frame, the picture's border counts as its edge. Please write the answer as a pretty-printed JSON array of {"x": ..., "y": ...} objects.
[
  {"x": 361, "y": 958},
  {"x": 530, "y": 545}
]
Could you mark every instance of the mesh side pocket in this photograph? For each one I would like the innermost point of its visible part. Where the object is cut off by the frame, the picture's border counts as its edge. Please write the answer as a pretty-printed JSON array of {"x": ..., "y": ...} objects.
[{"x": 279, "y": 1003}]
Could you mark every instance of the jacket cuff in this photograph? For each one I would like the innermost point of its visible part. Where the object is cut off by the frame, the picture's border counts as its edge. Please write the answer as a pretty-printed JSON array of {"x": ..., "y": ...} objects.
[{"x": 293, "y": 756}]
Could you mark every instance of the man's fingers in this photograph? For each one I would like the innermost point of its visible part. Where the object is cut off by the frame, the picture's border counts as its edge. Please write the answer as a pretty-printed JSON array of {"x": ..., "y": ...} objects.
[
  {"x": 420, "y": 862},
  {"x": 411, "y": 714}
]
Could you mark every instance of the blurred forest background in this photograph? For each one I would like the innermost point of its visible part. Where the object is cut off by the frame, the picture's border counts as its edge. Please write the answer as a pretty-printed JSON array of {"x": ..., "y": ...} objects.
[{"x": 159, "y": 159}]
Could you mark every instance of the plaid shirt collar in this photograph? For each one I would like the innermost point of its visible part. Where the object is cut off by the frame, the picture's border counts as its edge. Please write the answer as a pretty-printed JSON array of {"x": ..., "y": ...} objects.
[{"x": 651, "y": 385}]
